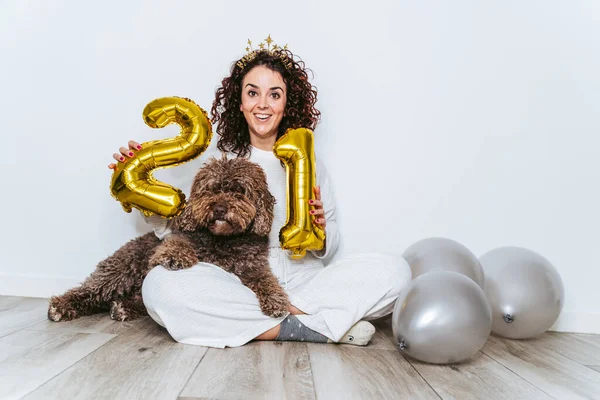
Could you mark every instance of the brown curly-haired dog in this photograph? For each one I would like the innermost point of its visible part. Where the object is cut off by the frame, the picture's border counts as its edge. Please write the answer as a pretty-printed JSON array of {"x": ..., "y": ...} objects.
[{"x": 226, "y": 222}]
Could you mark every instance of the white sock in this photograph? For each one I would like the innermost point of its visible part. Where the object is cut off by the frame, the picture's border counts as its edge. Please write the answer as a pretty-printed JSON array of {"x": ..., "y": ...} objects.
[{"x": 359, "y": 335}]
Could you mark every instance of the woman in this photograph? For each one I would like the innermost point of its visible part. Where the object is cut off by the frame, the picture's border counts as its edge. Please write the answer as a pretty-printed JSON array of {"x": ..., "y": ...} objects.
[{"x": 266, "y": 93}]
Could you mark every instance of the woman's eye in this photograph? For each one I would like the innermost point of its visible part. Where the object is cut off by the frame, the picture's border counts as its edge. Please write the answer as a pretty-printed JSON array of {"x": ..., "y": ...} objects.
[
  {"x": 252, "y": 93},
  {"x": 276, "y": 95}
]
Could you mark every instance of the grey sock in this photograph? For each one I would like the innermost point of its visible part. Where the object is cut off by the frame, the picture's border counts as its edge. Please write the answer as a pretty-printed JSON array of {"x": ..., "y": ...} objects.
[{"x": 291, "y": 329}]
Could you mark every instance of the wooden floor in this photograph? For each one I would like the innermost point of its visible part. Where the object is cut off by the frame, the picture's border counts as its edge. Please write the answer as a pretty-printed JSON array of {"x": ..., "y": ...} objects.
[{"x": 97, "y": 358}]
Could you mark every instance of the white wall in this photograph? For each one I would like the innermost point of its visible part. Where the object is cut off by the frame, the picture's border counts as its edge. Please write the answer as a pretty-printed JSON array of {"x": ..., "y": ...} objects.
[{"x": 472, "y": 120}]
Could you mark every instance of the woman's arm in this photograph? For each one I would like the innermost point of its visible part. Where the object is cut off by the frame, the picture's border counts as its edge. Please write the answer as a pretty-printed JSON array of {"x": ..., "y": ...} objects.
[
  {"x": 161, "y": 226},
  {"x": 332, "y": 240}
]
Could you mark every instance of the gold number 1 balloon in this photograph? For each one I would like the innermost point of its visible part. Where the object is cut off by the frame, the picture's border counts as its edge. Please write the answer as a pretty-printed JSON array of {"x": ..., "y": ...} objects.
[
  {"x": 296, "y": 150},
  {"x": 132, "y": 182}
]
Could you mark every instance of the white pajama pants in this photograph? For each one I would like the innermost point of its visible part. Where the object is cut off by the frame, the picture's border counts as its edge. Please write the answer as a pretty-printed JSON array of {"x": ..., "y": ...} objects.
[{"x": 207, "y": 306}]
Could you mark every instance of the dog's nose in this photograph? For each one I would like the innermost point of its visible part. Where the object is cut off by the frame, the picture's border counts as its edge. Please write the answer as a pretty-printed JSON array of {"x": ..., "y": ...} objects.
[{"x": 220, "y": 209}]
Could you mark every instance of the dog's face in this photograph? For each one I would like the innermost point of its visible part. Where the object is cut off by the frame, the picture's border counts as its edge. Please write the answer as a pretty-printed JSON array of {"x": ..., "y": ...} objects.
[{"x": 229, "y": 197}]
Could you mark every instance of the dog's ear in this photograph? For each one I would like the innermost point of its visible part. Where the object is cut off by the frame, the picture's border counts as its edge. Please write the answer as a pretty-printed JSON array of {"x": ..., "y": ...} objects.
[
  {"x": 264, "y": 211},
  {"x": 186, "y": 222}
]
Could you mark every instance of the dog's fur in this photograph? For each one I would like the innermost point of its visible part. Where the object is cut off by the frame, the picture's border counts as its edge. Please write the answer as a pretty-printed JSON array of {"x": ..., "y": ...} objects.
[{"x": 226, "y": 222}]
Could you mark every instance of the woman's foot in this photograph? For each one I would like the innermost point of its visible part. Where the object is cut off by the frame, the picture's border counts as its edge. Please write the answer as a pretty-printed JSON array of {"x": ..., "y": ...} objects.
[
  {"x": 359, "y": 335},
  {"x": 293, "y": 330},
  {"x": 272, "y": 333}
]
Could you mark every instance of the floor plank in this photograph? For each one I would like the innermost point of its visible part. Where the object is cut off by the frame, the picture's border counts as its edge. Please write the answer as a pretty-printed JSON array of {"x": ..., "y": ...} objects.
[
  {"x": 17, "y": 313},
  {"x": 582, "y": 348},
  {"x": 96, "y": 357},
  {"x": 545, "y": 368},
  {"x": 350, "y": 372},
  {"x": 29, "y": 358},
  {"x": 479, "y": 378},
  {"x": 259, "y": 370},
  {"x": 143, "y": 362}
]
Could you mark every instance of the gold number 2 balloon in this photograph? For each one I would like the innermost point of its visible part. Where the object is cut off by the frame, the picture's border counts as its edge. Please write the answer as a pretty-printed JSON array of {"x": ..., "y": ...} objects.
[
  {"x": 132, "y": 182},
  {"x": 296, "y": 150}
]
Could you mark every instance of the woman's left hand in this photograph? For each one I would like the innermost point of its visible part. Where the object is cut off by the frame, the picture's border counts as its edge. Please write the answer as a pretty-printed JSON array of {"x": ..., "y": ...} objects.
[{"x": 317, "y": 212}]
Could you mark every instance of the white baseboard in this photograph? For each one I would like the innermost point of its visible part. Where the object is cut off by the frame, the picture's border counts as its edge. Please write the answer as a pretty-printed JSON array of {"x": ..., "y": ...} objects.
[
  {"x": 46, "y": 286},
  {"x": 576, "y": 321},
  {"x": 35, "y": 285}
]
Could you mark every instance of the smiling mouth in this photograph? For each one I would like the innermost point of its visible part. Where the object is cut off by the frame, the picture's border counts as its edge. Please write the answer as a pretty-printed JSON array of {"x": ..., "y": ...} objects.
[{"x": 262, "y": 117}]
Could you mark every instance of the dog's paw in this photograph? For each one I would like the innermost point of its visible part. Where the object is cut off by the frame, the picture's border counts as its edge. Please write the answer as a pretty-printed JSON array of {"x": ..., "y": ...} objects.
[
  {"x": 59, "y": 310},
  {"x": 275, "y": 305},
  {"x": 171, "y": 262},
  {"x": 176, "y": 252},
  {"x": 175, "y": 264},
  {"x": 119, "y": 312}
]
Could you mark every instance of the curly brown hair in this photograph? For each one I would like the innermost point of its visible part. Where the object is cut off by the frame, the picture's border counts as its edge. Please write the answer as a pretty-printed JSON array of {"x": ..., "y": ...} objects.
[{"x": 300, "y": 111}]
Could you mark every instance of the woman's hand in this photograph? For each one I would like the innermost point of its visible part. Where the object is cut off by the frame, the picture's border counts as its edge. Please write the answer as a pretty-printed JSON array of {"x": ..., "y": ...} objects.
[
  {"x": 317, "y": 212},
  {"x": 125, "y": 153}
]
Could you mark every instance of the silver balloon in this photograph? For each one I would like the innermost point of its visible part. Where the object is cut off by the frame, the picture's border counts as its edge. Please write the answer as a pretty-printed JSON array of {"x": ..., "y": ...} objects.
[
  {"x": 525, "y": 291},
  {"x": 441, "y": 254},
  {"x": 441, "y": 317}
]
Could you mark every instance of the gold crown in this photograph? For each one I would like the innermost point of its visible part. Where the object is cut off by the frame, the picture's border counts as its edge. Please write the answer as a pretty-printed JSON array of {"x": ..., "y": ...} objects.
[{"x": 266, "y": 47}]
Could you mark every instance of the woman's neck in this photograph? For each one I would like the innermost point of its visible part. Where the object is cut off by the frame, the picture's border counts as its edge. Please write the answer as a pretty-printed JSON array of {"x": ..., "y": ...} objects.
[{"x": 263, "y": 143}]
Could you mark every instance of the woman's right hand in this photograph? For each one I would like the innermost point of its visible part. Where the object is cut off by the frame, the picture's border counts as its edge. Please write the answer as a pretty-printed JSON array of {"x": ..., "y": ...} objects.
[{"x": 125, "y": 153}]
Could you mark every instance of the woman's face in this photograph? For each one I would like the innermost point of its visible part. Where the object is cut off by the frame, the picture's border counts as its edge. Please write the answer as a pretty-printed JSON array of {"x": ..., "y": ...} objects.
[{"x": 263, "y": 103}]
